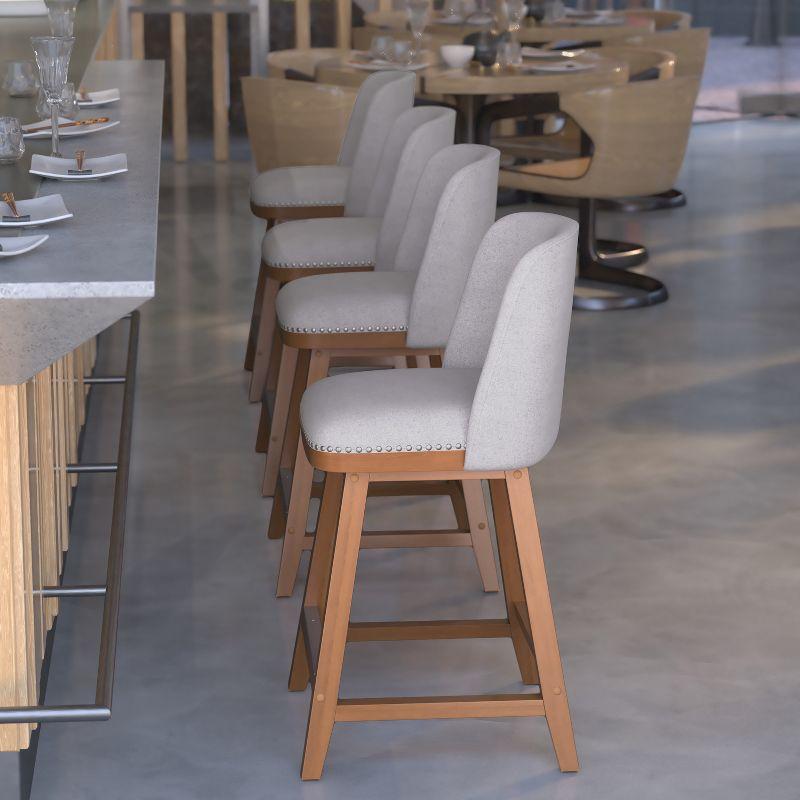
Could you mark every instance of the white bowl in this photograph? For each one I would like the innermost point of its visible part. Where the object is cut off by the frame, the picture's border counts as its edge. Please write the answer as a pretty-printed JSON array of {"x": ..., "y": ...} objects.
[{"x": 457, "y": 55}]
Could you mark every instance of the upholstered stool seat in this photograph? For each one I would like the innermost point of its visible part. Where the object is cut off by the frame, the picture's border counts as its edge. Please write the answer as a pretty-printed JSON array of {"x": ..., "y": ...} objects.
[
  {"x": 374, "y": 302},
  {"x": 406, "y": 410},
  {"x": 287, "y": 187},
  {"x": 343, "y": 242}
]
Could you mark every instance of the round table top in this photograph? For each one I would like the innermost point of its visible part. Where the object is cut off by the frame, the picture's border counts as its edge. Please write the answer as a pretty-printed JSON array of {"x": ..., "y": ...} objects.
[
  {"x": 568, "y": 29},
  {"x": 477, "y": 80}
]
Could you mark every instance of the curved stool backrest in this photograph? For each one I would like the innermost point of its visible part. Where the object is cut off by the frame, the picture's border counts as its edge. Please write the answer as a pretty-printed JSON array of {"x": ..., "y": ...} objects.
[
  {"x": 417, "y": 134},
  {"x": 513, "y": 321},
  {"x": 382, "y": 98},
  {"x": 454, "y": 205},
  {"x": 689, "y": 47}
]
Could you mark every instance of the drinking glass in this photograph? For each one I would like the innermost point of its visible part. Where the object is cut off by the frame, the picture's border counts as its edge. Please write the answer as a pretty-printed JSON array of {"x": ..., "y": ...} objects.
[
  {"x": 20, "y": 79},
  {"x": 12, "y": 145},
  {"x": 453, "y": 9},
  {"x": 509, "y": 54},
  {"x": 515, "y": 13},
  {"x": 62, "y": 18},
  {"x": 52, "y": 56},
  {"x": 67, "y": 105},
  {"x": 403, "y": 53},
  {"x": 382, "y": 47},
  {"x": 417, "y": 13}
]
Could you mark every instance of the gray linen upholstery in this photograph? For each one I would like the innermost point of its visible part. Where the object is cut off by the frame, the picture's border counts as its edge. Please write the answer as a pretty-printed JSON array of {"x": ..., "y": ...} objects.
[
  {"x": 300, "y": 186},
  {"x": 507, "y": 351},
  {"x": 452, "y": 207},
  {"x": 349, "y": 181},
  {"x": 393, "y": 96},
  {"x": 375, "y": 301},
  {"x": 366, "y": 241},
  {"x": 389, "y": 411},
  {"x": 326, "y": 242}
]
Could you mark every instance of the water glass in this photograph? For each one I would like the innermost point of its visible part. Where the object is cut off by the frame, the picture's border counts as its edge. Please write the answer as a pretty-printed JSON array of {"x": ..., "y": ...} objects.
[
  {"x": 382, "y": 47},
  {"x": 20, "y": 79},
  {"x": 403, "y": 54},
  {"x": 62, "y": 18},
  {"x": 516, "y": 10},
  {"x": 12, "y": 145},
  {"x": 417, "y": 13},
  {"x": 509, "y": 54},
  {"x": 52, "y": 56},
  {"x": 453, "y": 9},
  {"x": 67, "y": 105}
]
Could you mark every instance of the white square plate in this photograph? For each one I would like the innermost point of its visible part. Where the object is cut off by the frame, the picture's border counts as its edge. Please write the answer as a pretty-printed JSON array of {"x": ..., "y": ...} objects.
[
  {"x": 101, "y": 167},
  {"x": 42, "y": 128},
  {"x": 99, "y": 98},
  {"x": 20, "y": 244},
  {"x": 41, "y": 209}
]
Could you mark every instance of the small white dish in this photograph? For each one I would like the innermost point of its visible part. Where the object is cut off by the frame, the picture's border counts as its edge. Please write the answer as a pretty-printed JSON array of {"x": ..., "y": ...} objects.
[
  {"x": 99, "y": 98},
  {"x": 18, "y": 245},
  {"x": 560, "y": 67},
  {"x": 549, "y": 55},
  {"x": 41, "y": 129},
  {"x": 38, "y": 210},
  {"x": 65, "y": 169},
  {"x": 457, "y": 55}
]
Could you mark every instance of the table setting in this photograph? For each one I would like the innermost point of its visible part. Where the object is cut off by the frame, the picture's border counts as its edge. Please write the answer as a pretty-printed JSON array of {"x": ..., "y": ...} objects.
[{"x": 60, "y": 109}]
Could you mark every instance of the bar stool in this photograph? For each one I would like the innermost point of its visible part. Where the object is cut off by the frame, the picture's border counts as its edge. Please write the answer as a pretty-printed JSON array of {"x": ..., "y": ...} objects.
[
  {"x": 306, "y": 192},
  {"x": 297, "y": 249},
  {"x": 491, "y": 412},
  {"x": 405, "y": 308}
]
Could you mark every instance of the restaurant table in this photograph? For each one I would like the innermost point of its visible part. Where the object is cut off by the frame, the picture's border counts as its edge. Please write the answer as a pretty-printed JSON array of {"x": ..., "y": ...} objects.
[
  {"x": 471, "y": 85},
  {"x": 95, "y": 269},
  {"x": 562, "y": 30}
]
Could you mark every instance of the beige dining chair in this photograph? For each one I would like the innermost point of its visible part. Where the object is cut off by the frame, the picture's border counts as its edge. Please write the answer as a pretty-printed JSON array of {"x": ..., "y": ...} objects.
[
  {"x": 634, "y": 139},
  {"x": 690, "y": 47},
  {"x": 665, "y": 20}
]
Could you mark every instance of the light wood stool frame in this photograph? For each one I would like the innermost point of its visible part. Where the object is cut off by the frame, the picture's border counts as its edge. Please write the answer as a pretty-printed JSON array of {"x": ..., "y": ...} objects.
[{"x": 325, "y": 628}]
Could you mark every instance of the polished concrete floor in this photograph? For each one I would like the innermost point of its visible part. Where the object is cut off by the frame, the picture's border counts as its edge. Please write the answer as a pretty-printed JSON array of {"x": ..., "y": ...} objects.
[{"x": 670, "y": 513}]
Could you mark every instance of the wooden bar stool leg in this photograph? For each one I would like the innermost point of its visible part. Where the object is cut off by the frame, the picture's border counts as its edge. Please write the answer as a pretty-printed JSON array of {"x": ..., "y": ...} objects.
[
  {"x": 302, "y": 479},
  {"x": 481, "y": 537},
  {"x": 180, "y": 124},
  {"x": 255, "y": 317},
  {"x": 266, "y": 332},
  {"x": 274, "y": 365},
  {"x": 335, "y": 623},
  {"x": 316, "y": 360},
  {"x": 220, "y": 78},
  {"x": 279, "y": 418},
  {"x": 318, "y": 571},
  {"x": 264, "y": 426},
  {"x": 540, "y": 618},
  {"x": 512, "y": 583}
]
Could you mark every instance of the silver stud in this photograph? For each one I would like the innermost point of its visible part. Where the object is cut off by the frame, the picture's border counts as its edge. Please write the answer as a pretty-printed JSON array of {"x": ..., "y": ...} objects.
[
  {"x": 449, "y": 447},
  {"x": 338, "y": 449},
  {"x": 419, "y": 447},
  {"x": 408, "y": 447},
  {"x": 388, "y": 449},
  {"x": 427, "y": 447},
  {"x": 378, "y": 449},
  {"x": 347, "y": 449},
  {"x": 358, "y": 449},
  {"x": 438, "y": 447}
]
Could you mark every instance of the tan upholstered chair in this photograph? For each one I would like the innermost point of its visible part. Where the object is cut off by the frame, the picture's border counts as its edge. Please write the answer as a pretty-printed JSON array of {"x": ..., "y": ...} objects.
[
  {"x": 689, "y": 47},
  {"x": 665, "y": 20},
  {"x": 634, "y": 140}
]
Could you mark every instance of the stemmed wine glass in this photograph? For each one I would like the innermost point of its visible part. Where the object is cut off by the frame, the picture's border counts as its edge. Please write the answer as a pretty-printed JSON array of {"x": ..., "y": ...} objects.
[
  {"x": 52, "y": 56},
  {"x": 516, "y": 10},
  {"x": 417, "y": 12}
]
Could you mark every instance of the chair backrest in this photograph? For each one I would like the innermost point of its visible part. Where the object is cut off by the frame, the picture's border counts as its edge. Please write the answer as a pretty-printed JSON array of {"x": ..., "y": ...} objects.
[
  {"x": 689, "y": 47},
  {"x": 295, "y": 123},
  {"x": 513, "y": 322},
  {"x": 304, "y": 60},
  {"x": 644, "y": 63},
  {"x": 665, "y": 20},
  {"x": 454, "y": 205},
  {"x": 386, "y": 95},
  {"x": 417, "y": 134}
]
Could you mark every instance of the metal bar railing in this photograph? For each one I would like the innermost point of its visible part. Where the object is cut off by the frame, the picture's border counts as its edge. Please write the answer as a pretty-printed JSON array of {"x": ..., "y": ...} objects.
[{"x": 101, "y": 708}]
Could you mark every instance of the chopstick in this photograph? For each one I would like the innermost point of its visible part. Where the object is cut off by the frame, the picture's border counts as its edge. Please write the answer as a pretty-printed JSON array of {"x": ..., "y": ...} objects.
[
  {"x": 92, "y": 121},
  {"x": 79, "y": 156},
  {"x": 8, "y": 199}
]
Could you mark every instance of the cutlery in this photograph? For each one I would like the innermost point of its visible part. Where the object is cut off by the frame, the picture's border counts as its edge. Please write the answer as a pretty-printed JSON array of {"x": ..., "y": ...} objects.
[
  {"x": 79, "y": 156},
  {"x": 76, "y": 123},
  {"x": 8, "y": 199}
]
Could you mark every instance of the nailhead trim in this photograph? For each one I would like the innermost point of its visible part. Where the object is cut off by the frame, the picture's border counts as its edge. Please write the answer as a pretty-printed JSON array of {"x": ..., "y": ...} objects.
[
  {"x": 322, "y": 448},
  {"x": 353, "y": 329},
  {"x": 311, "y": 264}
]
